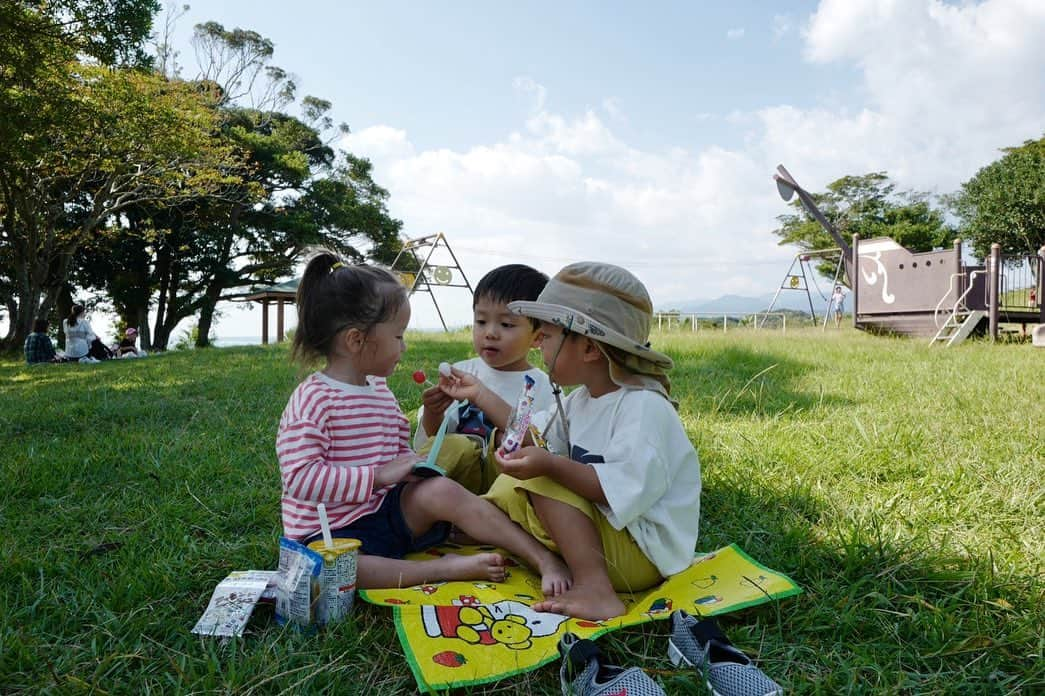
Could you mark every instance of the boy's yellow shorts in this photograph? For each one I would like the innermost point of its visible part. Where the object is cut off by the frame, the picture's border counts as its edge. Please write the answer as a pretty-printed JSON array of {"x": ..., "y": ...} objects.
[
  {"x": 629, "y": 569},
  {"x": 462, "y": 458}
]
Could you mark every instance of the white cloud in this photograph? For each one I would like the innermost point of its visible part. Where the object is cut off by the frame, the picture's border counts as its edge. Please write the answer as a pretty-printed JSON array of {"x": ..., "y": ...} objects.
[
  {"x": 943, "y": 87},
  {"x": 734, "y": 34},
  {"x": 946, "y": 85}
]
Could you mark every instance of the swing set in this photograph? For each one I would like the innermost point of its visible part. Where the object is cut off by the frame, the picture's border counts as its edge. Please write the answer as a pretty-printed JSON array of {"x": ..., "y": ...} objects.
[{"x": 804, "y": 278}]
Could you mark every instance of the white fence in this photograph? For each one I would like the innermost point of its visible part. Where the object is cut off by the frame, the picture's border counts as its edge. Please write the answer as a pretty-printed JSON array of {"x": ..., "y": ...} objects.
[{"x": 756, "y": 320}]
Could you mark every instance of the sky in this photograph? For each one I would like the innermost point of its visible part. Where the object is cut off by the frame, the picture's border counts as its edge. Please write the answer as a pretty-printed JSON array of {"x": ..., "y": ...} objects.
[{"x": 646, "y": 134}]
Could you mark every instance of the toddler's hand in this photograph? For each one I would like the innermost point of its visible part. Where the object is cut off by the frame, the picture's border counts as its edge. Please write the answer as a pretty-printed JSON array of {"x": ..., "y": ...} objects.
[
  {"x": 435, "y": 400},
  {"x": 461, "y": 385},
  {"x": 396, "y": 470},
  {"x": 525, "y": 463}
]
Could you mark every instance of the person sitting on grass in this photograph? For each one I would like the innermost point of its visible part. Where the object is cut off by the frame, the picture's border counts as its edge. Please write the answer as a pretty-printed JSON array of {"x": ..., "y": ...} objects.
[
  {"x": 343, "y": 441},
  {"x": 38, "y": 346},
  {"x": 502, "y": 341},
  {"x": 617, "y": 492},
  {"x": 127, "y": 347}
]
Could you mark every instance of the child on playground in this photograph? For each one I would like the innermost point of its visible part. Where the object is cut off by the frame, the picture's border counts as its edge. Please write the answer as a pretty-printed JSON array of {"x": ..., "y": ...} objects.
[
  {"x": 502, "y": 341},
  {"x": 617, "y": 493},
  {"x": 343, "y": 441}
]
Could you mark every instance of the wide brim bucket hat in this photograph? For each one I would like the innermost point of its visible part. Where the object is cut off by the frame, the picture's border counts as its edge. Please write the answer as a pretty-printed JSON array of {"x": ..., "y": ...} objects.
[{"x": 611, "y": 306}]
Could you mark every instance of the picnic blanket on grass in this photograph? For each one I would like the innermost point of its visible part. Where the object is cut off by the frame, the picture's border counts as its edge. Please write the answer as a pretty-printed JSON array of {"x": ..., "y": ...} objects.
[{"x": 456, "y": 634}]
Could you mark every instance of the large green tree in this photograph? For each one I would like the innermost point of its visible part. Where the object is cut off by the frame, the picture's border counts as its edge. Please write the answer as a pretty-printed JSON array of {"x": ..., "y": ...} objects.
[
  {"x": 1004, "y": 202},
  {"x": 870, "y": 206},
  {"x": 127, "y": 137},
  {"x": 295, "y": 192}
]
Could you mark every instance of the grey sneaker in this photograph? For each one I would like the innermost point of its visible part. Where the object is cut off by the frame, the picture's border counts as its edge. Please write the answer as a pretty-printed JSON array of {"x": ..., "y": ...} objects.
[
  {"x": 727, "y": 671},
  {"x": 591, "y": 676}
]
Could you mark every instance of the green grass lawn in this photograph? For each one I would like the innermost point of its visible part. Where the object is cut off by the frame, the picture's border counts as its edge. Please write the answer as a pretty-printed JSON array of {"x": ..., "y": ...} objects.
[{"x": 901, "y": 486}]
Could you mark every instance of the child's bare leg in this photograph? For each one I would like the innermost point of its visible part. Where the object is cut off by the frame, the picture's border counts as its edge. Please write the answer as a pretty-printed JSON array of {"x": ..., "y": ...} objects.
[
  {"x": 376, "y": 572},
  {"x": 436, "y": 499},
  {"x": 592, "y": 596}
]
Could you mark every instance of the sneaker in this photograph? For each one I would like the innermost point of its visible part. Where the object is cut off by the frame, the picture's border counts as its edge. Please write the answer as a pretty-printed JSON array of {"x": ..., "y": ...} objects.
[
  {"x": 727, "y": 671},
  {"x": 582, "y": 660}
]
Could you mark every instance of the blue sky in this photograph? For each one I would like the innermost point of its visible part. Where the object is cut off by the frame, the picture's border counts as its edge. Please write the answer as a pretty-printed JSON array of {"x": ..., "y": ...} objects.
[{"x": 646, "y": 134}]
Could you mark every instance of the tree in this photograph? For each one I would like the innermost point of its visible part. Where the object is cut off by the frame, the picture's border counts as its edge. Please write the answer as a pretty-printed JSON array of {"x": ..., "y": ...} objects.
[
  {"x": 122, "y": 138},
  {"x": 1004, "y": 202},
  {"x": 870, "y": 206},
  {"x": 295, "y": 192}
]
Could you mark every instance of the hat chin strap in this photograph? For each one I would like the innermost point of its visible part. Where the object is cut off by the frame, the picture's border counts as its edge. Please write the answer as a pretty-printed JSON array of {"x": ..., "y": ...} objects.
[{"x": 560, "y": 413}]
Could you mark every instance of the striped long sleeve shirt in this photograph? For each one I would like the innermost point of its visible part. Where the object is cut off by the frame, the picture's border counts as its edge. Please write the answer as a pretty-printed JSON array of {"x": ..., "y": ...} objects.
[{"x": 332, "y": 437}]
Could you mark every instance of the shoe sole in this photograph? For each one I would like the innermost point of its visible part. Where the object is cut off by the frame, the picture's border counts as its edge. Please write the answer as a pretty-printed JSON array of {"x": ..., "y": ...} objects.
[{"x": 680, "y": 660}]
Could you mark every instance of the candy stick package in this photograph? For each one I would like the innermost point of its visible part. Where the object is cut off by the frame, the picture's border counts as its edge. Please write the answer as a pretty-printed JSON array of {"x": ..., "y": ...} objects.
[{"x": 519, "y": 423}]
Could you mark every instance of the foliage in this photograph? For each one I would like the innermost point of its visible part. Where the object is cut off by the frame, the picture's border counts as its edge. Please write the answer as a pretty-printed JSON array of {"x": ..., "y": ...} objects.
[
  {"x": 1004, "y": 202},
  {"x": 909, "y": 514},
  {"x": 293, "y": 193},
  {"x": 870, "y": 206},
  {"x": 117, "y": 139}
]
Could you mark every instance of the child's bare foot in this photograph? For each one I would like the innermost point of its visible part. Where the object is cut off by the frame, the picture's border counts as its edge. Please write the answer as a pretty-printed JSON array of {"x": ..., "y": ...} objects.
[
  {"x": 584, "y": 602},
  {"x": 481, "y": 566},
  {"x": 555, "y": 576}
]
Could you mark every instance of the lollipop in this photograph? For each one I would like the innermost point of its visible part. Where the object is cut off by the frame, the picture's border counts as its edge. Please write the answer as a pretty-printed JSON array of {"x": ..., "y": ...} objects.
[{"x": 420, "y": 378}]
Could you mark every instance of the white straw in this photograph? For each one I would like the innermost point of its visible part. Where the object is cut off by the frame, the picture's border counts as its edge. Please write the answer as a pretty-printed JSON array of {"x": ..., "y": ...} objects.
[{"x": 324, "y": 525}]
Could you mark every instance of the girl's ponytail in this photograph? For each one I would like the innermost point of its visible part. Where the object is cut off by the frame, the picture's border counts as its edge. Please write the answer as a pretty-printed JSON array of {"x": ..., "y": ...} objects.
[{"x": 333, "y": 296}]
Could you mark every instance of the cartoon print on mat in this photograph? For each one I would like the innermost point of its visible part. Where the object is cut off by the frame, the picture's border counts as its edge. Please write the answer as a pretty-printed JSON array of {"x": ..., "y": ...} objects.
[
  {"x": 707, "y": 600},
  {"x": 660, "y": 605},
  {"x": 507, "y": 623},
  {"x": 705, "y": 583},
  {"x": 758, "y": 582}
]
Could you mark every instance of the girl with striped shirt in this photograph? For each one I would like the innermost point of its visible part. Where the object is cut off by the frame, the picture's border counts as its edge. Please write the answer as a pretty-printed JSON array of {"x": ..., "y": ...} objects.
[{"x": 343, "y": 441}]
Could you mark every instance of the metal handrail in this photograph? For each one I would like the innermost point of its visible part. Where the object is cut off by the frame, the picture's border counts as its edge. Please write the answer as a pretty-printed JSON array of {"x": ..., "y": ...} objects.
[
  {"x": 960, "y": 300},
  {"x": 950, "y": 286}
]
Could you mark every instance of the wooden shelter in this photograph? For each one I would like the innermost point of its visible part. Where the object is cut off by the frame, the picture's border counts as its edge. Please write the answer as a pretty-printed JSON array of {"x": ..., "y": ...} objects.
[{"x": 280, "y": 294}]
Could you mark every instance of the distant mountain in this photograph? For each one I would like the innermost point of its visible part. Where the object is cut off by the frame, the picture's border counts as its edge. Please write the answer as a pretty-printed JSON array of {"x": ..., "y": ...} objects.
[{"x": 733, "y": 305}]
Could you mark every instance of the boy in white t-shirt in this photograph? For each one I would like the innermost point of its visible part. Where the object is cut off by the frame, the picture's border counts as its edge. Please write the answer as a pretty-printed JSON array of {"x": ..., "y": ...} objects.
[
  {"x": 502, "y": 340},
  {"x": 618, "y": 494}
]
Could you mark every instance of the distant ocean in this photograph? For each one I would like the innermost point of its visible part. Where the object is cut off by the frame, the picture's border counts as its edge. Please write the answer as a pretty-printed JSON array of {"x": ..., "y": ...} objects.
[{"x": 227, "y": 341}]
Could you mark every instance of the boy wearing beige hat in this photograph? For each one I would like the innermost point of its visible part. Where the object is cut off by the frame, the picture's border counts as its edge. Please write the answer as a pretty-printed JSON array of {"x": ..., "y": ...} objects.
[{"x": 617, "y": 492}]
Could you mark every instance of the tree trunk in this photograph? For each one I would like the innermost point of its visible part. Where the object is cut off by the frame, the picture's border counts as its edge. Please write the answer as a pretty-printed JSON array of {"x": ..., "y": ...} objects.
[{"x": 207, "y": 305}]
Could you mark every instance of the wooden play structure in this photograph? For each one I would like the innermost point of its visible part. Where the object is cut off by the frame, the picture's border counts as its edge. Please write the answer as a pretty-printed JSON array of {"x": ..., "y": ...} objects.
[{"x": 932, "y": 294}]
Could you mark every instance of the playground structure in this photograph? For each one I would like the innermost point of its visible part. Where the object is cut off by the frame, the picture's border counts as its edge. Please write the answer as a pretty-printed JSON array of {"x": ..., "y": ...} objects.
[
  {"x": 805, "y": 277},
  {"x": 932, "y": 294},
  {"x": 426, "y": 263}
]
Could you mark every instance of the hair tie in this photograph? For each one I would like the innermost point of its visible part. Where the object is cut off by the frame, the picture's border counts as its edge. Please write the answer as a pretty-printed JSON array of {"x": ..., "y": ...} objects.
[{"x": 336, "y": 265}]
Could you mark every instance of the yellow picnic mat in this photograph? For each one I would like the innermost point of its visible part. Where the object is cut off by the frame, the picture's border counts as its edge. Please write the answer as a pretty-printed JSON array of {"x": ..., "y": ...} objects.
[{"x": 459, "y": 633}]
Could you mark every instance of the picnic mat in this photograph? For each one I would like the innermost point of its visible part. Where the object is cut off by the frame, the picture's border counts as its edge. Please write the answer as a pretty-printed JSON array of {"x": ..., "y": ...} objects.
[{"x": 459, "y": 633}]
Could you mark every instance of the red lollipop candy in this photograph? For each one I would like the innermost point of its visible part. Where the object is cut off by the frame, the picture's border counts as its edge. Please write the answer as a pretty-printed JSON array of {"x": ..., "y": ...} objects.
[{"x": 419, "y": 377}]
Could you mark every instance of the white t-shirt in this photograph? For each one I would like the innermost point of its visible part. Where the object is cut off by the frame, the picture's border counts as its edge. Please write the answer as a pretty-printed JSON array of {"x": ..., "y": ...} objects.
[
  {"x": 507, "y": 385},
  {"x": 646, "y": 464},
  {"x": 77, "y": 338}
]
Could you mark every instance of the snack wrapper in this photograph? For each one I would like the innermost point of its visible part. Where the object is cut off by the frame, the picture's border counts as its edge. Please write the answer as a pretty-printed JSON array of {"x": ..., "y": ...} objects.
[
  {"x": 519, "y": 423},
  {"x": 298, "y": 584}
]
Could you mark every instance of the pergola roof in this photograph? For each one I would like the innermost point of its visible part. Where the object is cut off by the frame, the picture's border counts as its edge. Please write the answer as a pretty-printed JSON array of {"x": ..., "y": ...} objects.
[{"x": 286, "y": 290}]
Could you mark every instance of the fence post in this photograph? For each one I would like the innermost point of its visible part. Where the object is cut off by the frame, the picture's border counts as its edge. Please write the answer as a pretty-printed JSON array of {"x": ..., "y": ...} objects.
[
  {"x": 856, "y": 279},
  {"x": 783, "y": 321},
  {"x": 724, "y": 320},
  {"x": 1041, "y": 284},
  {"x": 993, "y": 282}
]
